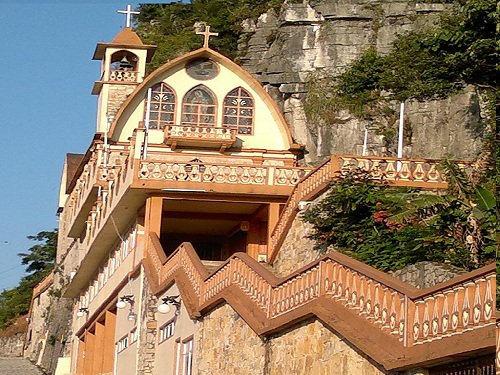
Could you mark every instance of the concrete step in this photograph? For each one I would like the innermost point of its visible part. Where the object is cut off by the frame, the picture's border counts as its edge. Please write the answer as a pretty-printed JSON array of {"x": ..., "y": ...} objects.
[{"x": 18, "y": 366}]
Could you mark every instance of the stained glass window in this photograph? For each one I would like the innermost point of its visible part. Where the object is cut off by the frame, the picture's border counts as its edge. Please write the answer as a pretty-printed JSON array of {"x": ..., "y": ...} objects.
[
  {"x": 198, "y": 107},
  {"x": 239, "y": 111},
  {"x": 161, "y": 107}
]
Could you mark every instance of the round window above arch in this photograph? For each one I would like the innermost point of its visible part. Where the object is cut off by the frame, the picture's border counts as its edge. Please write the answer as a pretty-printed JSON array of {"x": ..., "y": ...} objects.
[{"x": 202, "y": 69}]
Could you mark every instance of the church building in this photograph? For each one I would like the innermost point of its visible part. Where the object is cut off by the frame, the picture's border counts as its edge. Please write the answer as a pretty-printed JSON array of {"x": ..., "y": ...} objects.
[{"x": 183, "y": 249}]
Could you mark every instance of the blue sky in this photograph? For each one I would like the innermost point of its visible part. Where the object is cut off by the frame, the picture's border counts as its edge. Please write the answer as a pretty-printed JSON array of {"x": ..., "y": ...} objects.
[{"x": 46, "y": 109}]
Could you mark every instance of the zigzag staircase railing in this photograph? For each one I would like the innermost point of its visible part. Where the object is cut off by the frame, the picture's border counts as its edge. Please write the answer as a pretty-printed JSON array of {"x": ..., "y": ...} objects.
[
  {"x": 419, "y": 173},
  {"x": 397, "y": 310}
]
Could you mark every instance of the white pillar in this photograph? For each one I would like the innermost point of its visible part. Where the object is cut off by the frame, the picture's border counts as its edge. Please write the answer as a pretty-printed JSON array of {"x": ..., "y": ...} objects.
[
  {"x": 400, "y": 134},
  {"x": 146, "y": 125},
  {"x": 365, "y": 142}
]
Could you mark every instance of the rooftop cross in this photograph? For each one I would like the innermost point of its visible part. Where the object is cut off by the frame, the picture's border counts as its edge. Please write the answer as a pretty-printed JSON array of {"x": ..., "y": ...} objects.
[
  {"x": 128, "y": 12},
  {"x": 207, "y": 34}
]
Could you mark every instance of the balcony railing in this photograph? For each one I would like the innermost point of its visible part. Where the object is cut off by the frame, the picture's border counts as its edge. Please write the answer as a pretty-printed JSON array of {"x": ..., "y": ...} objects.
[
  {"x": 84, "y": 185},
  {"x": 94, "y": 175},
  {"x": 217, "y": 173},
  {"x": 123, "y": 76},
  {"x": 111, "y": 193},
  {"x": 202, "y": 136}
]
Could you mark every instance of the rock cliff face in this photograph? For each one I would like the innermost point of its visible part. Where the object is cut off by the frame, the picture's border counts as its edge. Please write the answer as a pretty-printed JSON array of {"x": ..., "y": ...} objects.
[{"x": 282, "y": 50}]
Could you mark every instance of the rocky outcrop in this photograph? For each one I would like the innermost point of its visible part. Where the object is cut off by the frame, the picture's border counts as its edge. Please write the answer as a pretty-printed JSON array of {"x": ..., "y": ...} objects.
[{"x": 282, "y": 50}]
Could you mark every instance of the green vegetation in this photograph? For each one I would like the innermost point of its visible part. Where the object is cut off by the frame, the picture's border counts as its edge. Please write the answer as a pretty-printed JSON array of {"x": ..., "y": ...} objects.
[
  {"x": 391, "y": 227},
  {"x": 39, "y": 260},
  {"x": 435, "y": 63},
  {"x": 170, "y": 26}
]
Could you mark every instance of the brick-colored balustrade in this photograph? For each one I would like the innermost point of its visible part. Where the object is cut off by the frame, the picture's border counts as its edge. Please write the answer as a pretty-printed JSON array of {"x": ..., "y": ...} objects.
[{"x": 393, "y": 322}]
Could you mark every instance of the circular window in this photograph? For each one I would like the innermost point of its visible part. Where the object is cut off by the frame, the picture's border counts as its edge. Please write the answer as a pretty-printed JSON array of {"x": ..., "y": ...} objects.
[{"x": 202, "y": 69}]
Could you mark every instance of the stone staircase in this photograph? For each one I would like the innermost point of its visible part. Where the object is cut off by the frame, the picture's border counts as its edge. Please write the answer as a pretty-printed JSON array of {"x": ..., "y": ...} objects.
[{"x": 17, "y": 366}]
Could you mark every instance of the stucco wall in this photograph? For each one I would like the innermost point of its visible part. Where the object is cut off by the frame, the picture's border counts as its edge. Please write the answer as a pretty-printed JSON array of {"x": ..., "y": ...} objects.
[
  {"x": 126, "y": 360},
  {"x": 268, "y": 131},
  {"x": 184, "y": 328}
]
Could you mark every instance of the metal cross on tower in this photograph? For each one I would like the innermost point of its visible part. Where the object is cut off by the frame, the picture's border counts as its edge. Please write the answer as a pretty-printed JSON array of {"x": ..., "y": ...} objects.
[
  {"x": 128, "y": 12},
  {"x": 207, "y": 34}
]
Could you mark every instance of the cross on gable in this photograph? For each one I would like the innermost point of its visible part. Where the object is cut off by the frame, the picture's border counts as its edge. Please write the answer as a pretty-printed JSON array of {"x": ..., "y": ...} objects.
[
  {"x": 207, "y": 34},
  {"x": 128, "y": 12}
]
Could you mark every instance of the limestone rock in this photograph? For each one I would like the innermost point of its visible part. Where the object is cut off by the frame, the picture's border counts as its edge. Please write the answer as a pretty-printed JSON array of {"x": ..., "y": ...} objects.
[{"x": 282, "y": 50}]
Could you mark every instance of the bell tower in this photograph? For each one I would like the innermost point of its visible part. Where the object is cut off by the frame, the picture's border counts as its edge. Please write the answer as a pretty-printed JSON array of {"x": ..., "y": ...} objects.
[{"x": 123, "y": 68}]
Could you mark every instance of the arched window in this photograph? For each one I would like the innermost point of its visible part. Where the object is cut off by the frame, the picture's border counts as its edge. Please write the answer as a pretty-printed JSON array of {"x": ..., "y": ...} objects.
[
  {"x": 161, "y": 107},
  {"x": 239, "y": 111},
  {"x": 198, "y": 107}
]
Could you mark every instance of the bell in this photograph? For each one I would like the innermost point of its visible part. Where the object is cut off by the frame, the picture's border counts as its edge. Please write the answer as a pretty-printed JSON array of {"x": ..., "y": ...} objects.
[{"x": 125, "y": 64}]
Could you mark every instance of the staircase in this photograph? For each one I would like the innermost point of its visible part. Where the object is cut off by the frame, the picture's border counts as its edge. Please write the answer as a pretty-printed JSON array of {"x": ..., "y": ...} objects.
[{"x": 392, "y": 322}]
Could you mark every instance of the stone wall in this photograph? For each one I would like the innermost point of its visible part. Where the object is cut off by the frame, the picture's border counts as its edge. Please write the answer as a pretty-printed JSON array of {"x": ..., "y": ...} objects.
[
  {"x": 311, "y": 348},
  {"x": 38, "y": 326},
  {"x": 282, "y": 50},
  {"x": 49, "y": 331},
  {"x": 147, "y": 329},
  {"x": 58, "y": 334},
  {"x": 297, "y": 250},
  {"x": 427, "y": 274},
  {"x": 225, "y": 344},
  {"x": 117, "y": 95},
  {"x": 12, "y": 346}
]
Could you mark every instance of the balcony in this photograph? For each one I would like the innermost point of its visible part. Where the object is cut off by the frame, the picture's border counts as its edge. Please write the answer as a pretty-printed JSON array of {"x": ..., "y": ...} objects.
[
  {"x": 199, "y": 136},
  {"x": 219, "y": 177}
]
